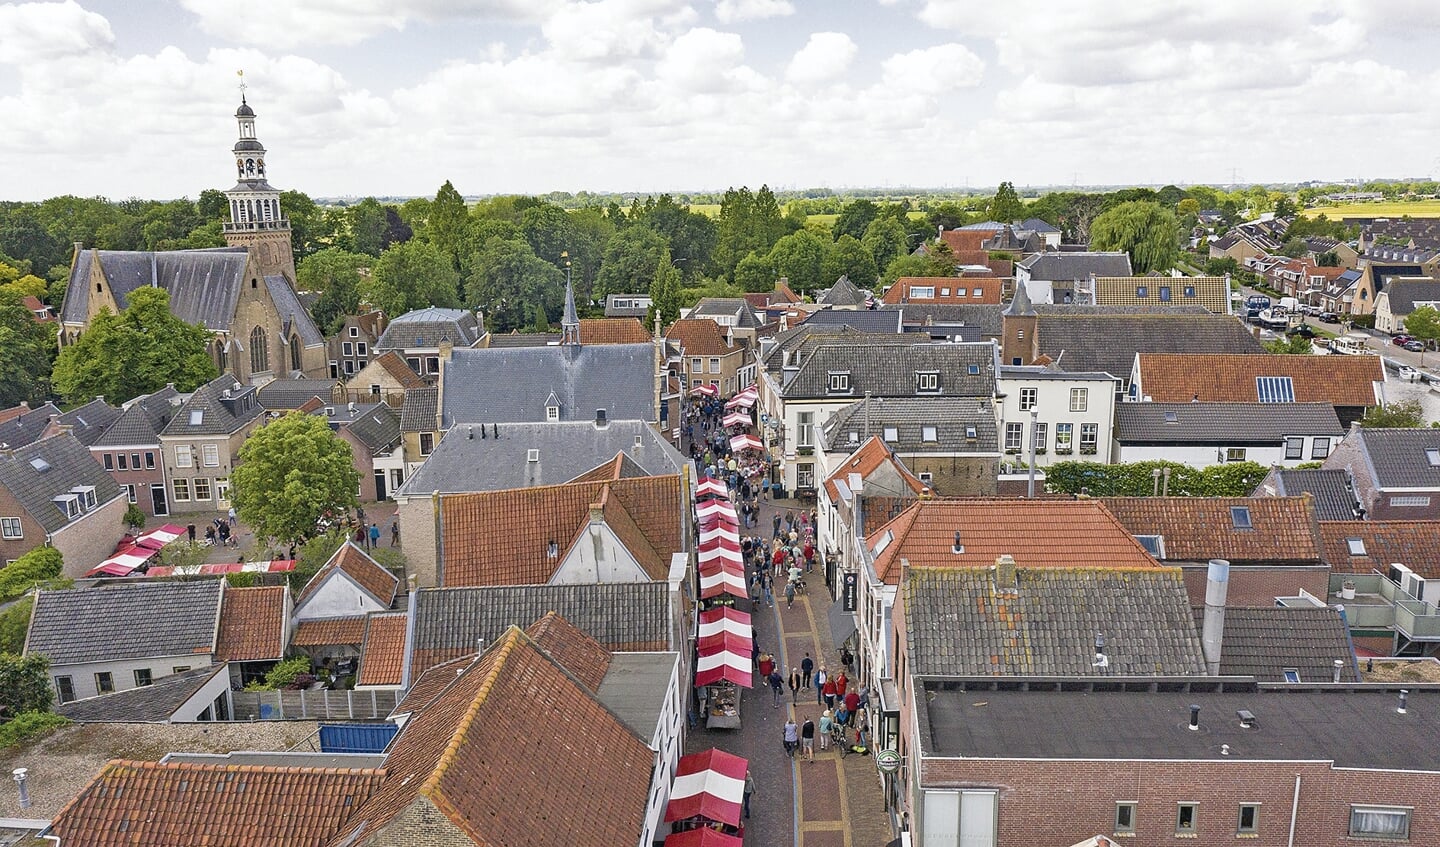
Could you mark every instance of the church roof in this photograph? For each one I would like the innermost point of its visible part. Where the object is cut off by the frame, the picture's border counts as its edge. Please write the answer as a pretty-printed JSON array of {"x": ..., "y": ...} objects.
[
  {"x": 204, "y": 285},
  {"x": 292, "y": 312}
]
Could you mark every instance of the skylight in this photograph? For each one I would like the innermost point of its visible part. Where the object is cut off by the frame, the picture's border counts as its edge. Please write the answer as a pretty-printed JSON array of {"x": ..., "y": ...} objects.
[
  {"x": 1171, "y": 417},
  {"x": 197, "y": 416},
  {"x": 39, "y": 464},
  {"x": 1356, "y": 546},
  {"x": 1240, "y": 517},
  {"x": 1275, "y": 389},
  {"x": 1153, "y": 544},
  {"x": 1432, "y": 456}
]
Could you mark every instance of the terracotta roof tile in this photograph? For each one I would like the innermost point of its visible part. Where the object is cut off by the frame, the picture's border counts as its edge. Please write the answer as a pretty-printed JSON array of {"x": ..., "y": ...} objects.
[
  {"x": 394, "y": 365},
  {"x": 1178, "y": 377},
  {"x": 700, "y": 337},
  {"x": 359, "y": 567},
  {"x": 179, "y": 805},
  {"x": 1037, "y": 533},
  {"x": 962, "y": 290},
  {"x": 329, "y": 631},
  {"x": 865, "y": 461},
  {"x": 1197, "y": 529},
  {"x": 577, "y": 652},
  {"x": 382, "y": 653},
  {"x": 961, "y": 240},
  {"x": 1415, "y": 544},
  {"x": 613, "y": 331},
  {"x": 252, "y": 624},
  {"x": 503, "y": 537}
]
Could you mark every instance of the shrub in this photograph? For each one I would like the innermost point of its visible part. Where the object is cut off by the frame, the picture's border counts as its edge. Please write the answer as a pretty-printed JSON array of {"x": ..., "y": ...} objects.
[
  {"x": 36, "y": 566},
  {"x": 134, "y": 518},
  {"x": 287, "y": 674},
  {"x": 29, "y": 726}
]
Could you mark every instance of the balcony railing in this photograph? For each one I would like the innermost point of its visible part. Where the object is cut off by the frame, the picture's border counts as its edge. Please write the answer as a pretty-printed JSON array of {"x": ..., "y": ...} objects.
[{"x": 251, "y": 226}]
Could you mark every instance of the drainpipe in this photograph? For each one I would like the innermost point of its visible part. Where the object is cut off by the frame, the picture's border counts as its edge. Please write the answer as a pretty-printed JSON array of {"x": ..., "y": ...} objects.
[
  {"x": 1294, "y": 812},
  {"x": 1030, "y": 487}
]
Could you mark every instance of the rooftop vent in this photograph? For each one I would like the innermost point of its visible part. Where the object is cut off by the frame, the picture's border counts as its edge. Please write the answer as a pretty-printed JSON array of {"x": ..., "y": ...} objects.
[
  {"x": 1404, "y": 695},
  {"x": 1194, "y": 718},
  {"x": 958, "y": 548},
  {"x": 1247, "y": 718},
  {"x": 532, "y": 455},
  {"x": 552, "y": 549},
  {"x": 600, "y": 418}
]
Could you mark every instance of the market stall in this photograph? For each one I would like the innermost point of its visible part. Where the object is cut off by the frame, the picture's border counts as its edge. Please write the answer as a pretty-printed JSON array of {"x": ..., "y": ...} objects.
[
  {"x": 737, "y": 419},
  {"x": 705, "y": 390},
  {"x": 745, "y": 442},
  {"x": 743, "y": 400},
  {"x": 704, "y": 837},
  {"x": 708, "y": 794},
  {"x": 723, "y": 648},
  {"x": 711, "y": 488}
]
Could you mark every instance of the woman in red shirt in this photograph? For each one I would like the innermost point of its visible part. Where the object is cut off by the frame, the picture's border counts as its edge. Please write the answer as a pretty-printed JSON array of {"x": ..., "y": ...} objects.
[{"x": 829, "y": 691}]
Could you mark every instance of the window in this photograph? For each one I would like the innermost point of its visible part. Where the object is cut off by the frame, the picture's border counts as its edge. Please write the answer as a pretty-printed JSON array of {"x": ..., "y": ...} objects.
[
  {"x": 714, "y": 364},
  {"x": 1235, "y": 454},
  {"x": 1124, "y": 818},
  {"x": 839, "y": 382},
  {"x": 1240, "y": 517},
  {"x": 1188, "y": 291},
  {"x": 926, "y": 477},
  {"x": 210, "y": 455},
  {"x": 65, "y": 688},
  {"x": 354, "y": 332},
  {"x": 922, "y": 292},
  {"x": 971, "y": 433},
  {"x": 1079, "y": 399},
  {"x": 432, "y": 364},
  {"x": 109, "y": 462},
  {"x": 945, "y": 292},
  {"x": 1142, "y": 291},
  {"x": 552, "y": 413},
  {"x": 805, "y": 429},
  {"x": 1356, "y": 546},
  {"x": 142, "y": 677},
  {"x": 805, "y": 475},
  {"x": 1185, "y": 814},
  {"x": 1410, "y": 500},
  {"x": 182, "y": 490},
  {"x": 1291, "y": 674},
  {"x": 927, "y": 381},
  {"x": 1432, "y": 456},
  {"x": 697, "y": 366},
  {"x": 972, "y": 369},
  {"x": 1275, "y": 389},
  {"x": 349, "y": 367},
  {"x": 977, "y": 292},
  {"x": 1249, "y": 822},
  {"x": 222, "y": 489},
  {"x": 1014, "y": 435},
  {"x": 1028, "y": 398},
  {"x": 202, "y": 489},
  {"x": 129, "y": 493},
  {"x": 427, "y": 443},
  {"x": 1165, "y": 294},
  {"x": 362, "y": 349},
  {"x": 1089, "y": 438},
  {"x": 1380, "y": 822},
  {"x": 1320, "y": 448},
  {"x": 1153, "y": 544},
  {"x": 259, "y": 351},
  {"x": 1295, "y": 448},
  {"x": 347, "y": 349},
  {"x": 122, "y": 462},
  {"x": 414, "y": 363},
  {"x": 1042, "y": 431},
  {"x": 183, "y": 457},
  {"x": 68, "y": 504},
  {"x": 892, "y": 434},
  {"x": 104, "y": 683},
  {"x": 149, "y": 461},
  {"x": 134, "y": 461},
  {"x": 1064, "y": 437},
  {"x": 10, "y": 528}
]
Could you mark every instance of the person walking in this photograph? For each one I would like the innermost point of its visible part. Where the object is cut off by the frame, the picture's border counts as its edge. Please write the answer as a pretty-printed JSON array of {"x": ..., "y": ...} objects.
[
  {"x": 374, "y": 536},
  {"x": 807, "y": 739},
  {"x": 792, "y": 736},
  {"x": 749, "y": 790},
  {"x": 776, "y": 683},
  {"x": 766, "y": 664},
  {"x": 191, "y": 530},
  {"x": 807, "y": 667},
  {"x": 395, "y": 531},
  {"x": 841, "y": 683},
  {"x": 794, "y": 684},
  {"x": 852, "y": 700},
  {"x": 827, "y": 726},
  {"x": 789, "y": 594},
  {"x": 819, "y": 680},
  {"x": 862, "y": 730},
  {"x": 361, "y": 539},
  {"x": 829, "y": 691},
  {"x": 231, "y": 516}
]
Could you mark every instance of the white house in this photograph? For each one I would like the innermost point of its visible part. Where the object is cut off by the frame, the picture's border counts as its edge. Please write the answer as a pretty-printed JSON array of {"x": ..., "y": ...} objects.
[
  {"x": 1072, "y": 420},
  {"x": 1205, "y": 434},
  {"x": 349, "y": 585}
]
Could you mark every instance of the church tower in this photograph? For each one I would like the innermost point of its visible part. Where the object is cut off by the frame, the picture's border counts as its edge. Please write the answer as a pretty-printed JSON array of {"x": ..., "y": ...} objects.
[{"x": 256, "y": 219}]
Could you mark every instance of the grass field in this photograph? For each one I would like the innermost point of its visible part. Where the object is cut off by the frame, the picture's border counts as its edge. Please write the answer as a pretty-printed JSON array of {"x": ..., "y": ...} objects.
[{"x": 1382, "y": 209}]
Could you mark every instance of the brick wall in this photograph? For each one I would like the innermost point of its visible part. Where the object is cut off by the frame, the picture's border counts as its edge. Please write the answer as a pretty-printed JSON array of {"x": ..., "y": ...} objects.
[
  {"x": 419, "y": 825},
  {"x": 954, "y": 476},
  {"x": 87, "y": 542},
  {"x": 32, "y": 534},
  {"x": 1058, "y": 803},
  {"x": 1259, "y": 586}
]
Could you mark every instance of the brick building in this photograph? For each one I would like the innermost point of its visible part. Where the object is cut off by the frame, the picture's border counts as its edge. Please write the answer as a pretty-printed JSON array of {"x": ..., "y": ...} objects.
[{"x": 1396, "y": 471}]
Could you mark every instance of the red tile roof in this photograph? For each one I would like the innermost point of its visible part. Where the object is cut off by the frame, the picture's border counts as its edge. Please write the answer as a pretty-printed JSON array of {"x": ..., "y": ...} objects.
[
  {"x": 576, "y": 651},
  {"x": 382, "y": 653},
  {"x": 700, "y": 337},
  {"x": 959, "y": 240},
  {"x": 360, "y": 568},
  {"x": 1282, "y": 529},
  {"x": 394, "y": 365},
  {"x": 962, "y": 290},
  {"x": 252, "y": 624},
  {"x": 329, "y": 631},
  {"x": 613, "y": 331},
  {"x": 1414, "y": 544},
  {"x": 865, "y": 461},
  {"x": 1221, "y": 377},
  {"x": 503, "y": 537},
  {"x": 1037, "y": 533},
  {"x": 180, "y": 805}
]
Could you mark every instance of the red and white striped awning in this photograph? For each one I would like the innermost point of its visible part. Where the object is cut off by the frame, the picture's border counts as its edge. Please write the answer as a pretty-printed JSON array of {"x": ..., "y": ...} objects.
[
  {"x": 711, "y": 488},
  {"x": 719, "y": 522},
  {"x": 713, "y": 543},
  {"x": 728, "y": 641},
  {"x": 724, "y": 619},
  {"x": 707, "y": 390},
  {"x": 723, "y": 580},
  {"x": 721, "y": 554},
  {"x": 703, "y": 837},
  {"x": 744, "y": 399},
  {"x": 710, "y": 785},
  {"x": 724, "y": 666},
  {"x": 160, "y": 536},
  {"x": 736, "y": 418},
  {"x": 715, "y": 507},
  {"x": 721, "y": 532},
  {"x": 122, "y": 564},
  {"x": 745, "y": 442}
]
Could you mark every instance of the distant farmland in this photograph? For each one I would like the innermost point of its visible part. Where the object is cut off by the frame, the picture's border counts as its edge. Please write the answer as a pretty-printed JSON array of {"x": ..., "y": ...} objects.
[{"x": 1381, "y": 209}]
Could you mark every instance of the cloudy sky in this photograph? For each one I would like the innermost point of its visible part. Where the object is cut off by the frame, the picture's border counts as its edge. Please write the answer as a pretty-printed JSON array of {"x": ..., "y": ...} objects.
[{"x": 391, "y": 97}]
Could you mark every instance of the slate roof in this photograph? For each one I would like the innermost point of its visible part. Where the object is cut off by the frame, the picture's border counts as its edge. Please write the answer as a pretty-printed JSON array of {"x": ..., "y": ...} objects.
[
  {"x": 1222, "y": 423},
  {"x": 1201, "y": 528},
  {"x": 865, "y": 320},
  {"x": 472, "y": 755},
  {"x": 141, "y": 422},
  {"x": 323, "y": 632},
  {"x": 216, "y": 417},
  {"x": 394, "y": 365},
  {"x": 1037, "y": 533},
  {"x": 503, "y": 537},
  {"x": 1108, "y": 341},
  {"x": 146, "y": 704},
  {"x": 169, "y": 805},
  {"x": 66, "y": 465},
  {"x": 293, "y": 315},
  {"x": 1037, "y": 225},
  {"x": 888, "y": 370},
  {"x": 1167, "y": 377},
  {"x": 1414, "y": 544},
  {"x": 1400, "y": 457},
  {"x": 362, "y": 570},
  {"x": 737, "y": 307},
  {"x": 90, "y": 421},
  {"x": 472, "y": 459},
  {"x": 798, "y": 342},
  {"x": 1265, "y": 641},
  {"x": 510, "y": 385},
  {"x": 910, "y": 416},
  {"x": 614, "y": 311},
  {"x": 426, "y": 328},
  {"x": 960, "y": 621},
  {"x": 204, "y": 285},
  {"x": 1076, "y": 266},
  {"x": 27, "y": 427},
  {"x": 1332, "y": 491},
  {"x": 449, "y": 621},
  {"x": 1404, "y": 294},
  {"x": 842, "y": 293},
  {"x": 287, "y": 394},
  {"x": 378, "y": 428},
  {"x": 382, "y": 652},
  {"x": 131, "y": 621},
  {"x": 984, "y": 317},
  {"x": 253, "y": 624},
  {"x": 417, "y": 413}
]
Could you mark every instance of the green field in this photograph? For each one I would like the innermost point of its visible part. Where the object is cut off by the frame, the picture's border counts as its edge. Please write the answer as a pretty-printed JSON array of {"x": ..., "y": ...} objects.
[{"x": 1380, "y": 209}]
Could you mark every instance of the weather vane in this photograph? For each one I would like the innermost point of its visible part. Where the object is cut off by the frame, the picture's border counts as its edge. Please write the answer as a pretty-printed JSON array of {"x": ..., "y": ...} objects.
[{"x": 241, "y": 74}]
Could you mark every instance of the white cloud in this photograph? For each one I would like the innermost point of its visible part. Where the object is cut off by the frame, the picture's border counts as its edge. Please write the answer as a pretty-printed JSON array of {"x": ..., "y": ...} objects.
[
  {"x": 934, "y": 70},
  {"x": 702, "y": 60},
  {"x": 31, "y": 32},
  {"x": 735, "y": 11},
  {"x": 823, "y": 58},
  {"x": 288, "y": 23}
]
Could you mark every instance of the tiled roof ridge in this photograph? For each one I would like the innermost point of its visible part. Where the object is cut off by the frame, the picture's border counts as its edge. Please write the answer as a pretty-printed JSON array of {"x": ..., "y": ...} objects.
[{"x": 430, "y": 787}]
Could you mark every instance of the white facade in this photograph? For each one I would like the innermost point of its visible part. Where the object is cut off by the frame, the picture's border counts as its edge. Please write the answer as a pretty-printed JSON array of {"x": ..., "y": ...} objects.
[
  {"x": 124, "y": 674},
  {"x": 339, "y": 596},
  {"x": 1294, "y": 451},
  {"x": 668, "y": 743},
  {"x": 598, "y": 556},
  {"x": 795, "y": 425},
  {"x": 1076, "y": 415}
]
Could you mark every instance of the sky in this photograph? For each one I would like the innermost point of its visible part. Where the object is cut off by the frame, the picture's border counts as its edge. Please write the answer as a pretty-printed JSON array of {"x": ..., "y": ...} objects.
[{"x": 135, "y": 98}]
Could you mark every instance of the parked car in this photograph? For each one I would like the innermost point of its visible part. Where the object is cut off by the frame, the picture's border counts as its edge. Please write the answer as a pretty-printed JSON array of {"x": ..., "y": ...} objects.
[
  {"x": 1414, "y": 346},
  {"x": 1302, "y": 330},
  {"x": 1329, "y": 318},
  {"x": 1401, "y": 340},
  {"x": 1407, "y": 373}
]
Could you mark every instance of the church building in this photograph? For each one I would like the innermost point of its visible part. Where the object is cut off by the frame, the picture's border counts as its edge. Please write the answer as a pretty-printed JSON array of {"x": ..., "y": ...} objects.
[{"x": 244, "y": 292}]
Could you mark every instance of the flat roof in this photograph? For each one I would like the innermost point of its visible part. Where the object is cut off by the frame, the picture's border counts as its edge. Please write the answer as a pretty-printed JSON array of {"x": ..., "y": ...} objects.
[
  {"x": 635, "y": 687},
  {"x": 1353, "y": 726}
]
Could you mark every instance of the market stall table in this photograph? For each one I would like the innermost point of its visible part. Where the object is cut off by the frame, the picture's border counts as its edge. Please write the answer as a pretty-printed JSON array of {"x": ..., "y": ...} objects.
[{"x": 709, "y": 789}]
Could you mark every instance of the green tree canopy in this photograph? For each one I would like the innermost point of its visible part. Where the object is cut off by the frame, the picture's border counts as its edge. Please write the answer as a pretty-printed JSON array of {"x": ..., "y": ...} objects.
[
  {"x": 630, "y": 260},
  {"x": 506, "y": 278},
  {"x": 24, "y": 685},
  {"x": 855, "y": 218},
  {"x": 1006, "y": 206},
  {"x": 886, "y": 238},
  {"x": 292, "y": 472},
  {"x": 799, "y": 257},
  {"x": 335, "y": 273},
  {"x": 135, "y": 352},
  {"x": 756, "y": 272},
  {"x": 1137, "y": 479},
  {"x": 1401, "y": 414},
  {"x": 33, "y": 568},
  {"x": 848, "y": 257},
  {"x": 413, "y": 275},
  {"x": 1424, "y": 323},
  {"x": 27, "y": 350},
  {"x": 1148, "y": 232},
  {"x": 448, "y": 224},
  {"x": 664, "y": 293},
  {"x": 368, "y": 225}
]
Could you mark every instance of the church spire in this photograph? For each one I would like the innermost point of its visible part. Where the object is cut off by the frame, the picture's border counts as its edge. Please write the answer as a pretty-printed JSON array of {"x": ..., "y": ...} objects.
[
  {"x": 570, "y": 323},
  {"x": 256, "y": 219}
]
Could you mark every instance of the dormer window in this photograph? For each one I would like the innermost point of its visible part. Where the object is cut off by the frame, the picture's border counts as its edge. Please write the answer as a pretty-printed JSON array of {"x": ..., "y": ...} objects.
[
  {"x": 68, "y": 504},
  {"x": 552, "y": 413},
  {"x": 839, "y": 382},
  {"x": 927, "y": 381},
  {"x": 86, "y": 494}
]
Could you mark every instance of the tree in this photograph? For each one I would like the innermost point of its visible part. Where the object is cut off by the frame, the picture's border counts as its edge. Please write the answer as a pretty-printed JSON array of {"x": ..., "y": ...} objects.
[
  {"x": 134, "y": 518},
  {"x": 1284, "y": 208},
  {"x": 755, "y": 273},
  {"x": 368, "y": 223},
  {"x": 937, "y": 261},
  {"x": 1424, "y": 324},
  {"x": 505, "y": 278},
  {"x": 1402, "y": 414},
  {"x": 1294, "y": 344},
  {"x": 1006, "y": 205},
  {"x": 854, "y": 219},
  {"x": 1188, "y": 208},
  {"x": 664, "y": 293},
  {"x": 1294, "y": 248},
  {"x": 885, "y": 238},
  {"x": 24, "y": 685},
  {"x": 292, "y": 472},
  {"x": 630, "y": 259},
  {"x": 413, "y": 275},
  {"x": 27, "y": 349},
  {"x": 1148, "y": 232},
  {"x": 135, "y": 352},
  {"x": 849, "y": 258},
  {"x": 799, "y": 258},
  {"x": 447, "y": 226},
  {"x": 691, "y": 235},
  {"x": 14, "y": 624},
  {"x": 40, "y": 565},
  {"x": 335, "y": 273},
  {"x": 310, "y": 228},
  {"x": 1328, "y": 259}
]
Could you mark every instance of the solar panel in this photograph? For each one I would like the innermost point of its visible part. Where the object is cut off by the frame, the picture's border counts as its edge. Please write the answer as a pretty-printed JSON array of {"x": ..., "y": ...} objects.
[{"x": 1275, "y": 389}]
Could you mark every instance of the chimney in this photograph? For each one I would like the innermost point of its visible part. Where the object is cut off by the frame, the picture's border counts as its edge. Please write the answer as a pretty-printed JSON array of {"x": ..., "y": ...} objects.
[
  {"x": 1404, "y": 695},
  {"x": 957, "y": 547},
  {"x": 857, "y": 488},
  {"x": 446, "y": 348},
  {"x": 1339, "y": 665},
  {"x": 1005, "y": 571},
  {"x": 1354, "y": 427},
  {"x": 1217, "y": 585},
  {"x": 1194, "y": 718}
]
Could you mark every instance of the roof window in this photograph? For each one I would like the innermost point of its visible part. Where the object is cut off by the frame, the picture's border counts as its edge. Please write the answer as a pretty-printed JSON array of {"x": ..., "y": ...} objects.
[
  {"x": 1432, "y": 456},
  {"x": 892, "y": 433},
  {"x": 197, "y": 417},
  {"x": 1240, "y": 517},
  {"x": 1171, "y": 417},
  {"x": 1153, "y": 544},
  {"x": 1355, "y": 545},
  {"x": 39, "y": 464},
  {"x": 1275, "y": 389}
]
